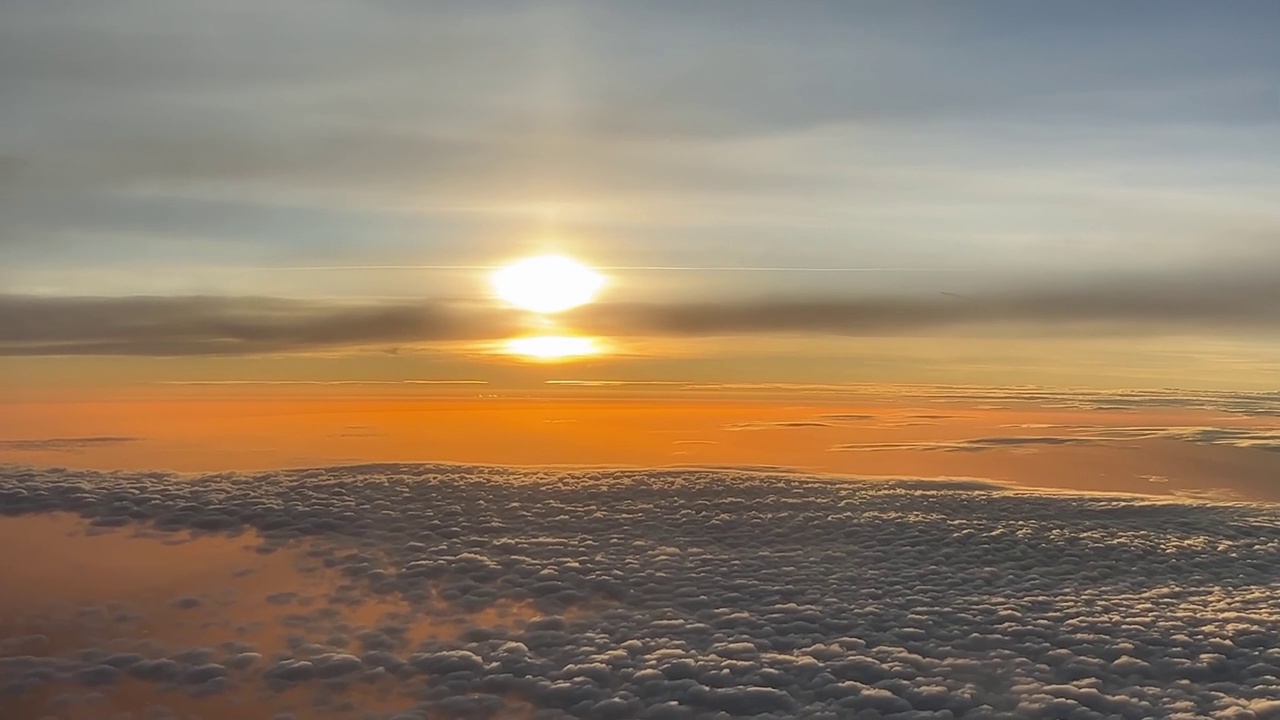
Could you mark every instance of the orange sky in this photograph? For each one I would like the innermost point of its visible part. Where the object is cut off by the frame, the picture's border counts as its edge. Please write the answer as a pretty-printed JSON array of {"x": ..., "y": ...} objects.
[{"x": 264, "y": 428}]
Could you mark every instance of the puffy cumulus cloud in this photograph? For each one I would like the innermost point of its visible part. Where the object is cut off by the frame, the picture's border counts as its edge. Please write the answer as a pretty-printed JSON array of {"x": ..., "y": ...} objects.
[{"x": 702, "y": 594}]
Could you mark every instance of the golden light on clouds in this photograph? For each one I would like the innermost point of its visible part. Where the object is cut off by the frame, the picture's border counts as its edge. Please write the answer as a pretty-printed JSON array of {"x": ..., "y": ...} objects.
[
  {"x": 553, "y": 347},
  {"x": 547, "y": 284}
]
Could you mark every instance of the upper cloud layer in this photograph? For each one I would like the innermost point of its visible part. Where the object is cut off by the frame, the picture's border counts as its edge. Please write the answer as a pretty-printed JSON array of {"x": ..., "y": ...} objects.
[{"x": 212, "y": 140}]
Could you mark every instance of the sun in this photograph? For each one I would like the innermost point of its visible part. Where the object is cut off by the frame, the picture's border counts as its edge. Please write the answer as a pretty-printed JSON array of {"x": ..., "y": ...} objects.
[
  {"x": 547, "y": 284},
  {"x": 553, "y": 347}
]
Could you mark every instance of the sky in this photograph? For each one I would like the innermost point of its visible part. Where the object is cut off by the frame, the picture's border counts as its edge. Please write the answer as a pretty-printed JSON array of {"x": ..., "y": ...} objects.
[
  {"x": 1022, "y": 182},
  {"x": 283, "y": 199}
]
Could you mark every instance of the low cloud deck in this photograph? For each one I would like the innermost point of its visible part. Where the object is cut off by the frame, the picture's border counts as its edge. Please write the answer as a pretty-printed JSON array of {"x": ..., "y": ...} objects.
[{"x": 668, "y": 594}]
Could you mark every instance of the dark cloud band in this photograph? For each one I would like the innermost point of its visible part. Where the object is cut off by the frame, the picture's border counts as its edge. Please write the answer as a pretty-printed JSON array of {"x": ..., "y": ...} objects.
[
  {"x": 224, "y": 326},
  {"x": 207, "y": 325}
]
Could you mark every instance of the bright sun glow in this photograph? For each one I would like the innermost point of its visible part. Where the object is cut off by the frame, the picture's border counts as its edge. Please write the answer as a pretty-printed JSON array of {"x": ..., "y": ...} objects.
[
  {"x": 547, "y": 284},
  {"x": 552, "y": 347}
]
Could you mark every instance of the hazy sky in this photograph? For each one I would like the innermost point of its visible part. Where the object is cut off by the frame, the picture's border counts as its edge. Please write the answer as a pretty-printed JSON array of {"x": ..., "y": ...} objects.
[{"x": 1057, "y": 174}]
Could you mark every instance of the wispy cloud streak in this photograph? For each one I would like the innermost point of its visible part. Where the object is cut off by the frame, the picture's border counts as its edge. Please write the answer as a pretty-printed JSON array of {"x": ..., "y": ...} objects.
[
  {"x": 323, "y": 382},
  {"x": 64, "y": 444}
]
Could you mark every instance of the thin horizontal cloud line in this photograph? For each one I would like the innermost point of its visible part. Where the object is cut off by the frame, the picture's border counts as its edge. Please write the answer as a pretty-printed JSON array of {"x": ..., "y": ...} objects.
[
  {"x": 326, "y": 268},
  {"x": 629, "y": 268},
  {"x": 615, "y": 383},
  {"x": 775, "y": 425},
  {"x": 750, "y": 268},
  {"x": 700, "y": 385},
  {"x": 1013, "y": 442},
  {"x": 1266, "y": 439},
  {"x": 65, "y": 444},
  {"x": 323, "y": 382}
]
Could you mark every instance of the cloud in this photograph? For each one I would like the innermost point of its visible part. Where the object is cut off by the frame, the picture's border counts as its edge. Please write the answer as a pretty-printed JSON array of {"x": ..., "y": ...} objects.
[
  {"x": 70, "y": 444},
  {"x": 615, "y": 383},
  {"x": 197, "y": 325},
  {"x": 1239, "y": 402},
  {"x": 1241, "y": 437},
  {"x": 140, "y": 154},
  {"x": 206, "y": 325},
  {"x": 1258, "y": 403},
  {"x": 1219, "y": 300},
  {"x": 699, "y": 593},
  {"x": 1238, "y": 437},
  {"x": 218, "y": 383},
  {"x": 970, "y": 445},
  {"x": 777, "y": 425}
]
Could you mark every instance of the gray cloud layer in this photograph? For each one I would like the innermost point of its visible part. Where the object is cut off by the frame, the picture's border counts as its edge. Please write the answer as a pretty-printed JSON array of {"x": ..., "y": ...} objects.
[
  {"x": 194, "y": 325},
  {"x": 215, "y": 325},
  {"x": 1247, "y": 298}
]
